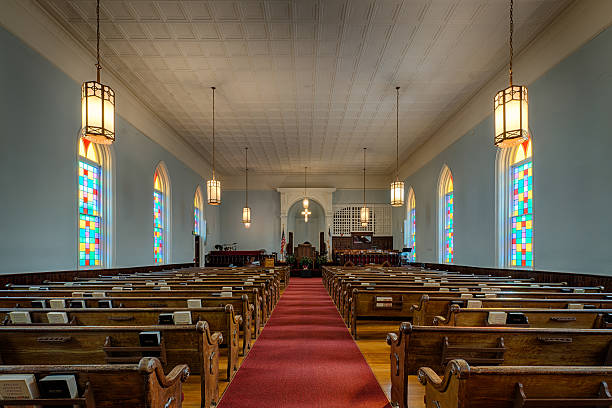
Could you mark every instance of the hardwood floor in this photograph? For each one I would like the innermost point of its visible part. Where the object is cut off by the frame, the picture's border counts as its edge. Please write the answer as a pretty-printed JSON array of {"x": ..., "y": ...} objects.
[{"x": 375, "y": 350}]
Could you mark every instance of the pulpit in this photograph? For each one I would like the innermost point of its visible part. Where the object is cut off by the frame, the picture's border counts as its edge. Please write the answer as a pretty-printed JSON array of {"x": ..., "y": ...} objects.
[{"x": 304, "y": 250}]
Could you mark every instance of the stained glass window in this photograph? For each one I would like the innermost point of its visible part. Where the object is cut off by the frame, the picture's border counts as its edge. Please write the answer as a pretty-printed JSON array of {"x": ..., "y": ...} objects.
[
  {"x": 89, "y": 205},
  {"x": 449, "y": 208},
  {"x": 412, "y": 225},
  {"x": 196, "y": 214},
  {"x": 158, "y": 221},
  {"x": 521, "y": 210}
]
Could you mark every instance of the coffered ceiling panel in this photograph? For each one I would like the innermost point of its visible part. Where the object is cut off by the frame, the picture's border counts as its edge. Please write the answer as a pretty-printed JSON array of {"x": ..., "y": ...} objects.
[{"x": 304, "y": 82}]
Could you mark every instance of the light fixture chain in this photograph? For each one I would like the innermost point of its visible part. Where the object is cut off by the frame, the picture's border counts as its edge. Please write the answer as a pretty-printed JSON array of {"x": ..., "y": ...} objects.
[
  {"x": 246, "y": 166},
  {"x": 511, "y": 37},
  {"x": 213, "y": 131},
  {"x": 98, "y": 66},
  {"x": 397, "y": 134},
  {"x": 364, "y": 175}
]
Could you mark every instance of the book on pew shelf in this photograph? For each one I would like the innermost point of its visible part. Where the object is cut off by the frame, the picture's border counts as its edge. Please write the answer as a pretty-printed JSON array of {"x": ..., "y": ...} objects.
[
  {"x": 78, "y": 294},
  {"x": 248, "y": 283},
  {"x": 442, "y": 289},
  {"x": 57, "y": 303},
  {"x": 226, "y": 288},
  {"x": 466, "y": 296},
  {"x": 578, "y": 290},
  {"x": 38, "y": 304},
  {"x": 226, "y": 294},
  {"x": 19, "y": 317},
  {"x": 490, "y": 295},
  {"x": 164, "y": 288},
  {"x": 149, "y": 338},
  {"x": 575, "y": 306},
  {"x": 479, "y": 295},
  {"x": 429, "y": 284},
  {"x": 496, "y": 318},
  {"x": 149, "y": 283},
  {"x": 18, "y": 387},
  {"x": 464, "y": 290},
  {"x": 58, "y": 386},
  {"x": 57, "y": 317},
  {"x": 105, "y": 304},
  {"x": 165, "y": 318},
  {"x": 194, "y": 303},
  {"x": 474, "y": 304},
  {"x": 77, "y": 304},
  {"x": 182, "y": 317},
  {"x": 68, "y": 283},
  {"x": 98, "y": 294},
  {"x": 589, "y": 307},
  {"x": 117, "y": 288},
  {"x": 516, "y": 318},
  {"x": 34, "y": 288}
]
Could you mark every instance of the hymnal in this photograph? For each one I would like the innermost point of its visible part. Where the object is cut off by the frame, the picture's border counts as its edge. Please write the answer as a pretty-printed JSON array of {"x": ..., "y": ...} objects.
[
  {"x": 149, "y": 338},
  {"x": 166, "y": 318},
  {"x": 516, "y": 318},
  {"x": 77, "y": 304},
  {"x": 474, "y": 304},
  {"x": 226, "y": 288},
  {"x": 466, "y": 296},
  {"x": 58, "y": 386},
  {"x": 19, "y": 317},
  {"x": 182, "y": 317},
  {"x": 164, "y": 288},
  {"x": 248, "y": 283},
  {"x": 18, "y": 387},
  {"x": 57, "y": 317},
  {"x": 78, "y": 294},
  {"x": 117, "y": 288},
  {"x": 443, "y": 289},
  {"x": 105, "y": 304},
  {"x": 496, "y": 318},
  {"x": 39, "y": 304},
  {"x": 57, "y": 303},
  {"x": 99, "y": 294},
  {"x": 194, "y": 303},
  {"x": 575, "y": 306}
]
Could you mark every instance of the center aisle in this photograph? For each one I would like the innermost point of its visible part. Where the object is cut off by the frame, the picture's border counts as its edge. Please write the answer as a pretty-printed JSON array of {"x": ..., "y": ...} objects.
[{"x": 304, "y": 357}]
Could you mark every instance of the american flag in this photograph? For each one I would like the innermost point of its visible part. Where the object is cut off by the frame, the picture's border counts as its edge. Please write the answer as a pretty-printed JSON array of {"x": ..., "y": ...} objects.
[{"x": 283, "y": 243}]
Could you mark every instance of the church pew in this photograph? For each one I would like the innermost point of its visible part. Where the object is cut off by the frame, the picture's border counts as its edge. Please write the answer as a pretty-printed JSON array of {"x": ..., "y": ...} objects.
[
  {"x": 434, "y": 346},
  {"x": 142, "y": 385},
  {"x": 255, "y": 295},
  {"x": 429, "y": 307},
  {"x": 374, "y": 303},
  {"x": 47, "y": 345},
  {"x": 221, "y": 319},
  {"x": 569, "y": 318},
  {"x": 468, "y": 386}
]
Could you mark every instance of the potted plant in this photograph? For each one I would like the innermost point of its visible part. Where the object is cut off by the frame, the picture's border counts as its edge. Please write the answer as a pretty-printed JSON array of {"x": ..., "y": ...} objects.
[
  {"x": 306, "y": 264},
  {"x": 290, "y": 259}
]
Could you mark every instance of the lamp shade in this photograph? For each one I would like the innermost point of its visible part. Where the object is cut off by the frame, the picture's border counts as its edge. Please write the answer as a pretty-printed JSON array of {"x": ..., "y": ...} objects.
[
  {"x": 305, "y": 202},
  {"x": 511, "y": 116},
  {"x": 246, "y": 216},
  {"x": 213, "y": 190},
  {"x": 98, "y": 113},
  {"x": 364, "y": 216},
  {"x": 397, "y": 193}
]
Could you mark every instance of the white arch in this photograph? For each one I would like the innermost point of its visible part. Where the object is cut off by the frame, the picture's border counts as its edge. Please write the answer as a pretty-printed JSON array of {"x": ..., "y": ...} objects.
[
  {"x": 446, "y": 177},
  {"x": 162, "y": 171}
]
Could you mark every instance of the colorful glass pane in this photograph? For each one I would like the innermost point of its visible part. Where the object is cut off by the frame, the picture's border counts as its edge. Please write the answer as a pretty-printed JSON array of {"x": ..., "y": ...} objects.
[
  {"x": 412, "y": 243},
  {"x": 521, "y": 218},
  {"x": 89, "y": 214},
  {"x": 448, "y": 228},
  {"x": 158, "y": 226},
  {"x": 196, "y": 221}
]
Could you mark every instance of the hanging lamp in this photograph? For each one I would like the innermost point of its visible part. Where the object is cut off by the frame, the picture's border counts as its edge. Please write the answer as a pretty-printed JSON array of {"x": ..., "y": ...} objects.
[
  {"x": 213, "y": 186},
  {"x": 397, "y": 187},
  {"x": 246, "y": 211},
  {"x": 305, "y": 202},
  {"x": 511, "y": 107},
  {"x": 364, "y": 215},
  {"x": 97, "y": 102}
]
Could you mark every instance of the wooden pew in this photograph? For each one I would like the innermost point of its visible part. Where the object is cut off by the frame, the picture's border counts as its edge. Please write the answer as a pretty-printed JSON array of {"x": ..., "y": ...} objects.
[
  {"x": 142, "y": 385},
  {"x": 569, "y": 318},
  {"x": 434, "y": 346},
  {"x": 221, "y": 319},
  {"x": 429, "y": 307},
  {"x": 467, "y": 386},
  {"x": 51, "y": 345}
]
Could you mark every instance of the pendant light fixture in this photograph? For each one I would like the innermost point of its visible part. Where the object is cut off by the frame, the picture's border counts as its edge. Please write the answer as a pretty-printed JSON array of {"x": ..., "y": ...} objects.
[
  {"x": 397, "y": 187},
  {"x": 213, "y": 186},
  {"x": 97, "y": 102},
  {"x": 364, "y": 215},
  {"x": 305, "y": 202},
  {"x": 246, "y": 211},
  {"x": 511, "y": 107}
]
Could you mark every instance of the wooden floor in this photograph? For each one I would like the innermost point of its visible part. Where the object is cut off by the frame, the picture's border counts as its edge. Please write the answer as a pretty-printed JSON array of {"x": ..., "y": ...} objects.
[{"x": 373, "y": 346}]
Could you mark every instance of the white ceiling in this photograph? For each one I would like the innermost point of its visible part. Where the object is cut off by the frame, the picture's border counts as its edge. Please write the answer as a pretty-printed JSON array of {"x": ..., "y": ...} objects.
[{"x": 305, "y": 82}]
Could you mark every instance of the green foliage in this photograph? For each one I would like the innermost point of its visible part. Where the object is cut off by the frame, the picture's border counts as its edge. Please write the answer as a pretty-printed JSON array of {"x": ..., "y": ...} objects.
[
  {"x": 306, "y": 262},
  {"x": 290, "y": 260}
]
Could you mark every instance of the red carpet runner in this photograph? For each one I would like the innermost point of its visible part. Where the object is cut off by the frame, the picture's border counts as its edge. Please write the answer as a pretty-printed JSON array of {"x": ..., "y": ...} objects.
[{"x": 304, "y": 357}]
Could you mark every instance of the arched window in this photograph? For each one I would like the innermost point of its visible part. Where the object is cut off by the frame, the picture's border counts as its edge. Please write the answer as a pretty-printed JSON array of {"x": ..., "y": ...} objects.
[
  {"x": 161, "y": 215},
  {"x": 515, "y": 202},
  {"x": 411, "y": 232},
  {"x": 446, "y": 217},
  {"x": 94, "y": 209},
  {"x": 197, "y": 212}
]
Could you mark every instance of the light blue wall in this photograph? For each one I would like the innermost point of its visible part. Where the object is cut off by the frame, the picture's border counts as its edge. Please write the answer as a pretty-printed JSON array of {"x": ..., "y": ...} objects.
[
  {"x": 351, "y": 196},
  {"x": 571, "y": 125},
  {"x": 40, "y": 116},
  {"x": 265, "y": 215},
  {"x": 306, "y": 231}
]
